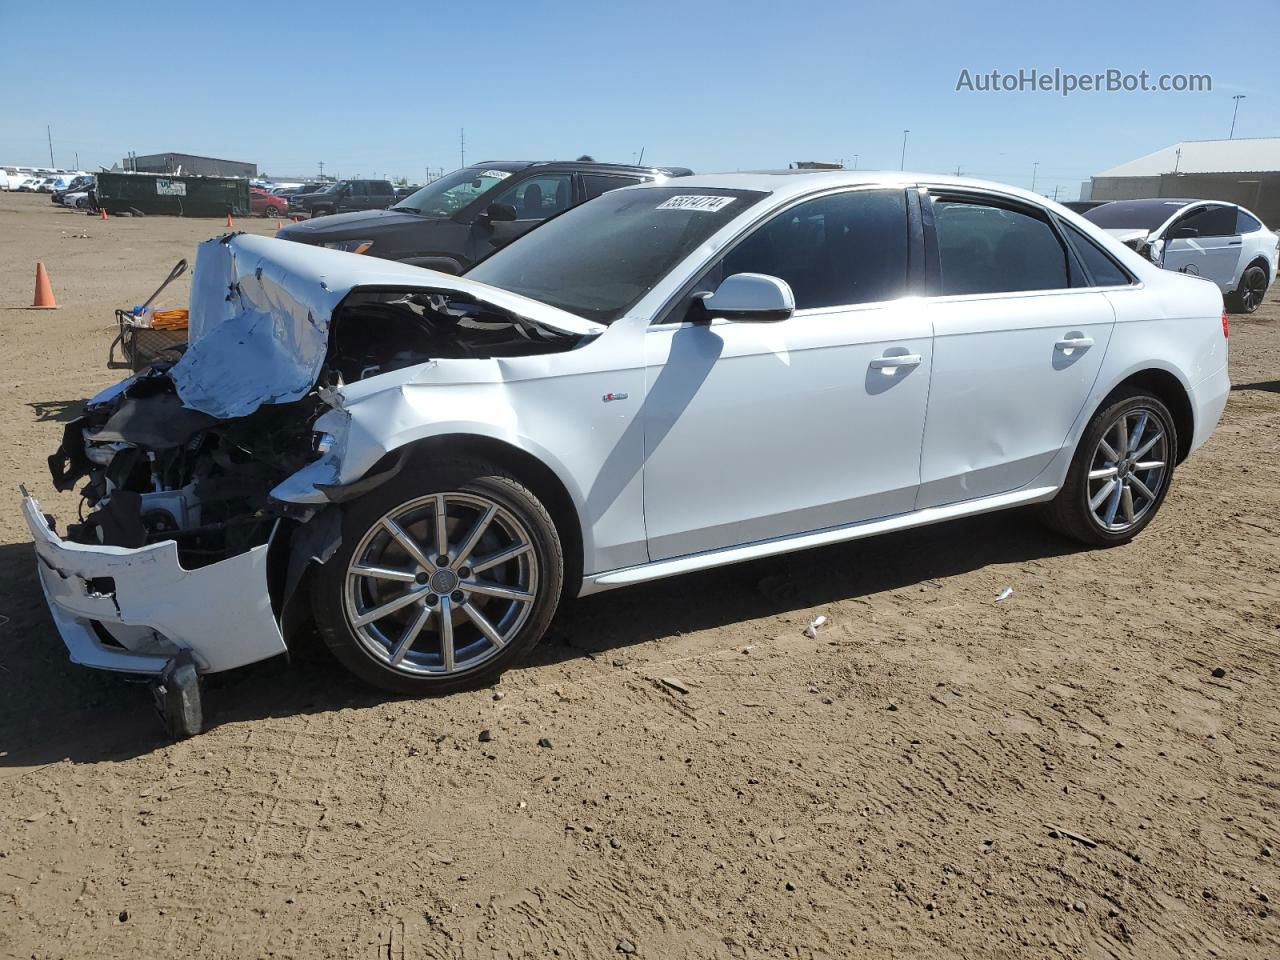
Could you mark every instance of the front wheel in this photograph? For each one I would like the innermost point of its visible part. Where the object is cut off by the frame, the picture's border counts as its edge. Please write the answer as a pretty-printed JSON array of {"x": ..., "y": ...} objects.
[
  {"x": 1120, "y": 473},
  {"x": 444, "y": 578}
]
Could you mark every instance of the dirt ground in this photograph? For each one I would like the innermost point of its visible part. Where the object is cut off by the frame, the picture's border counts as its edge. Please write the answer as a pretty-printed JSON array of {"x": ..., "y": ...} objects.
[{"x": 1059, "y": 774}]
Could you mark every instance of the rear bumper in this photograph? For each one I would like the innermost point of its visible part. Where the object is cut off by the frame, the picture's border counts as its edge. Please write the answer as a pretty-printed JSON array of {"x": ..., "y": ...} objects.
[
  {"x": 133, "y": 610},
  {"x": 1210, "y": 398}
]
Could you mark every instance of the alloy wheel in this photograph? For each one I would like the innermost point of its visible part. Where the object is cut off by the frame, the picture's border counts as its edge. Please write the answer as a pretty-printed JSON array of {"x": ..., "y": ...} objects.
[
  {"x": 1128, "y": 470},
  {"x": 441, "y": 584},
  {"x": 1255, "y": 288}
]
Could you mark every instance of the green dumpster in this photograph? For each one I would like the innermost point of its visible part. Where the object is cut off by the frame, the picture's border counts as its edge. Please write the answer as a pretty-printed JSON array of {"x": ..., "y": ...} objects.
[{"x": 172, "y": 195}]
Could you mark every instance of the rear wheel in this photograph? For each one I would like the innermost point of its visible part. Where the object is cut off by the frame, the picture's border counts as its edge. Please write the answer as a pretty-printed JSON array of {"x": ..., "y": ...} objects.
[
  {"x": 1248, "y": 296},
  {"x": 444, "y": 578},
  {"x": 272, "y": 211},
  {"x": 1120, "y": 473}
]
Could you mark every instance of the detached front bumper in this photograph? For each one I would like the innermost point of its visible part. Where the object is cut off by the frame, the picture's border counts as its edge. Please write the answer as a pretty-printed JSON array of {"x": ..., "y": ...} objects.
[{"x": 135, "y": 610}]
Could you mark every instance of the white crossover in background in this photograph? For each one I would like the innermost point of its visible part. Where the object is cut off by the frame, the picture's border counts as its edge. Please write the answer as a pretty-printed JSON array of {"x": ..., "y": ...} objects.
[
  {"x": 668, "y": 378},
  {"x": 1217, "y": 241}
]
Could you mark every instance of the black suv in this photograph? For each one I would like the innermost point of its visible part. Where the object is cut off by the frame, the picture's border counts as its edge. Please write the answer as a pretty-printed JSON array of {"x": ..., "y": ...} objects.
[
  {"x": 461, "y": 218},
  {"x": 344, "y": 196}
]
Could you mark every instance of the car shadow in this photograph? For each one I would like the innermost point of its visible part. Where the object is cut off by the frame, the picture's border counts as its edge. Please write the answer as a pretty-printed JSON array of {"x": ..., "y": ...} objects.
[
  {"x": 52, "y": 710},
  {"x": 1270, "y": 386},
  {"x": 61, "y": 411}
]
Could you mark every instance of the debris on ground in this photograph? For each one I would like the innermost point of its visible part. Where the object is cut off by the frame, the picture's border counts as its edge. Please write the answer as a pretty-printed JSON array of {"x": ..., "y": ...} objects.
[
  {"x": 673, "y": 683},
  {"x": 1004, "y": 594},
  {"x": 811, "y": 631}
]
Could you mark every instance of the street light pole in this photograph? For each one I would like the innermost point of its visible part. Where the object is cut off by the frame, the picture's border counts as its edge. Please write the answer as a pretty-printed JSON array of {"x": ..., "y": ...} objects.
[
  {"x": 902, "y": 164},
  {"x": 1234, "y": 110},
  {"x": 1035, "y": 166}
]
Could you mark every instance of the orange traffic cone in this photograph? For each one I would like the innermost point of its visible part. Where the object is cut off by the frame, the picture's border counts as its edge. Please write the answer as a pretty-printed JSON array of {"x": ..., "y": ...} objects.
[
  {"x": 44, "y": 292},
  {"x": 102, "y": 213},
  {"x": 229, "y": 223}
]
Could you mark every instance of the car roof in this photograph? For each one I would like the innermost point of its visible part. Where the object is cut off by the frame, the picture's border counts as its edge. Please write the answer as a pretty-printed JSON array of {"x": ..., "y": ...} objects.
[
  {"x": 581, "y": 166},
  {"x": 784, "y": 183}
]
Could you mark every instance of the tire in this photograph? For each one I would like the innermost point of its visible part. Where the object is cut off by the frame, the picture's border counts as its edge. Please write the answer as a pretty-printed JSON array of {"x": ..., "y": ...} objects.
[
  {"x": 271, "y": 212},
  {"x": 375, "y": 650},
  {"x": 1077, "y": 511},
  {"x": 1248, "y": 296},
  {"x": 319, "y": 212}
]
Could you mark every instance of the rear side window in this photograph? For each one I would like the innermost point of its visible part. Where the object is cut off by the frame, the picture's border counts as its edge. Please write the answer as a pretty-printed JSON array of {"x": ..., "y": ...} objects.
[
  {"x": 845, "y": 248},
  {"x": 1247, "y": 222},
  {"x": 380, "y": 187},
  {"x": 359, "y": 188},
  {"x": 990, "y": 249},
  {"x": 1103, "y": 271},
  {"x": 597, "y": 184}
]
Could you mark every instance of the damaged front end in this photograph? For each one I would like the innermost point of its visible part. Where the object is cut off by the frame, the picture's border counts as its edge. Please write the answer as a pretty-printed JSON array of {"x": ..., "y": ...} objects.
[{"x": 181, "y": 555}]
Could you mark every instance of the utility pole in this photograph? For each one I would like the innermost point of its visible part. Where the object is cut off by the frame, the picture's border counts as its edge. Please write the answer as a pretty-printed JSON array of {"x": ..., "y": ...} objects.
[
  {"x": 1230, "y": 136},
  {"x": 77, "y": 159},
  {"x": 1055, "y": 193},
  {"x": 321, "y": 169},
  {"x": 902, "y": 164},
  {"x": 957, "y": 169},
  {"x": 1034, "y": 167},
  {"x": 48, "y": 133},
  {"x": 855, "y": 161},
  {"x": 640, "y": 162},
  {"x": 462, "y": 146}
]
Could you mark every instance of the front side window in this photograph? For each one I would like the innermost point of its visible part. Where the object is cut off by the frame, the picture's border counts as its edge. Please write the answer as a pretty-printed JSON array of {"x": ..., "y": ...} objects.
[
  {"x": 990, "y": 249},
  {"x": 841, "y": 249},
  {"x": 1103, "y": 271},
  {"x": 358, "y": 188},
  {"x": 538, "y": 198},
  {"x": 598, "y": 259}
]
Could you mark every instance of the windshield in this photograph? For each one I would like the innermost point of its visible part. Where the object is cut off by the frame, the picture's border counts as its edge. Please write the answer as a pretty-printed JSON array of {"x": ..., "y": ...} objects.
[
  {"x": 449, "y": 194},
  {"x": 1134, "y": 214},
  {"x": 599, "y": 259}
]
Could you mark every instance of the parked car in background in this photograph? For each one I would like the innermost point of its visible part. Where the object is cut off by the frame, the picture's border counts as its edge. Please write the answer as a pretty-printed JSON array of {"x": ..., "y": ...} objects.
[
  {"x": 80, "y": 183},
  {"x": 345, "y": 196},
  {"x": 407, "y": 191},
  {"x": 464, "y": 216},
  {"x": 1083, "y": 206},
  {"x": 265, "y": 204},
  {"x": 45, "y": 185},
  {"x": 79, "y": 199},
  {"x": 1218, "y": 241},
  {"x": 425, "y": 465},
  {"x": 29, "y": 184}
]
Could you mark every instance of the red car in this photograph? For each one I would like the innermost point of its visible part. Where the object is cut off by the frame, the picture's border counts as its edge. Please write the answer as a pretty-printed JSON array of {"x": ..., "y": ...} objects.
[{"x": 265, "y": 204}]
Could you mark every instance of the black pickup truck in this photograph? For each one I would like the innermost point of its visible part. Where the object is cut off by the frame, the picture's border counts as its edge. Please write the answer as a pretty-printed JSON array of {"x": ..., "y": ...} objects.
[{"x": 455, "y": 221}]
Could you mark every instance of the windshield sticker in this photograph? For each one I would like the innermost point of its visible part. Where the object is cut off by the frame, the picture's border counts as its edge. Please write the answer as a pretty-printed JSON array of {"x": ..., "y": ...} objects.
[
  {"x": 691, "y": 201},
  {"x": 496, "y": 174}
]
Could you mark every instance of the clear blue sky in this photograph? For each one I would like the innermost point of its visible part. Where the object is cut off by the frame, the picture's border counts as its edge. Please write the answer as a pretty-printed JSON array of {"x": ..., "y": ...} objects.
[{"x": 384, "y": 87}]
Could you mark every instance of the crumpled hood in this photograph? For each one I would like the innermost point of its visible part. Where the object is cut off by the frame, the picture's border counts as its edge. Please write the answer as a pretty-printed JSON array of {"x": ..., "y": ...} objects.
[
  {"x": 1127, "y": 234},
  {"x": 260, "y": 312}
]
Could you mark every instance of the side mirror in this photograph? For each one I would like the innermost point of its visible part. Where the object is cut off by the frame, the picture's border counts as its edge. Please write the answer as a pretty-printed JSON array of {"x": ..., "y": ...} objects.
[
  {"x": 1155, "y": 252},
  {"x": 751, "y": 298},
  {"x": 500, "y": 213}
]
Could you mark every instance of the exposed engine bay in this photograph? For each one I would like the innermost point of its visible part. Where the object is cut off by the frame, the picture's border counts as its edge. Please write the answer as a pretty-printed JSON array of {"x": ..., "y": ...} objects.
[{"x": 159, "y": 470}]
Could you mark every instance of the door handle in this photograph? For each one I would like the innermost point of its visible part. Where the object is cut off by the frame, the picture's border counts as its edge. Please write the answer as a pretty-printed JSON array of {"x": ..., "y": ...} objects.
[
  {"x": 905, "y": 360},
  {"x": 1233, "y": 243},
  {"x": 1070, "y": 343}
]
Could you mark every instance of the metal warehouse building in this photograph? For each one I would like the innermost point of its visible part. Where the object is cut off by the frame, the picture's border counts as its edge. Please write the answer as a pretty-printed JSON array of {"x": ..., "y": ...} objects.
[
  {"x": 1245, "y": 171},
  {"x": 188, "y": 163}
]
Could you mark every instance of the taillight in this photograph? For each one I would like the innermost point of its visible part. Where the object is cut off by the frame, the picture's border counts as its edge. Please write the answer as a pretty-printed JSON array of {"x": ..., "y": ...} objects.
[{"x": 1225, "y": 332}]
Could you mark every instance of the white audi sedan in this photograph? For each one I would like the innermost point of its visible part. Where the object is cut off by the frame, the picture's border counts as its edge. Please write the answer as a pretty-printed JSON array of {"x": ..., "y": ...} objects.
[
  {"x": 672, "y": 377},
  {"x": 1221, "y": 242}
]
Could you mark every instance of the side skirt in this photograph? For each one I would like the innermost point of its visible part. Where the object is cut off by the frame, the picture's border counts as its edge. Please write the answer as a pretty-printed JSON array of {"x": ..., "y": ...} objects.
[{"x": 597, "y": 583}]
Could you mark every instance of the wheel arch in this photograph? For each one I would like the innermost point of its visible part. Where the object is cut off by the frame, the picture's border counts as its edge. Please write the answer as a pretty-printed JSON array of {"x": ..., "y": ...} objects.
[
  {"x": 1171, "y": 391},
  {"x": 525, "y": 466}
]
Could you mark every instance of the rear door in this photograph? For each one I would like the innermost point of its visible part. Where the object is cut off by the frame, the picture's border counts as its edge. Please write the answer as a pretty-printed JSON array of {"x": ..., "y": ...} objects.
[
  {"x": 1204, "y": 243},
  {"x": 1019, "y": 336}
]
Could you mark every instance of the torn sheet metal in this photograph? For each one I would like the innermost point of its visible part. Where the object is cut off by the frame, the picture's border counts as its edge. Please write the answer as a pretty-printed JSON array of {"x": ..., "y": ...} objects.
[{"x": 260, "y": 313}]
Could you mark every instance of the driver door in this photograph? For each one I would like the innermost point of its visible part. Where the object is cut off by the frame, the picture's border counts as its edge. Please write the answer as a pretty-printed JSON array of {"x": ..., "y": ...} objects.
[
  {"x": 756, "y": 431},
  {"x": 534, "y": 200}
]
